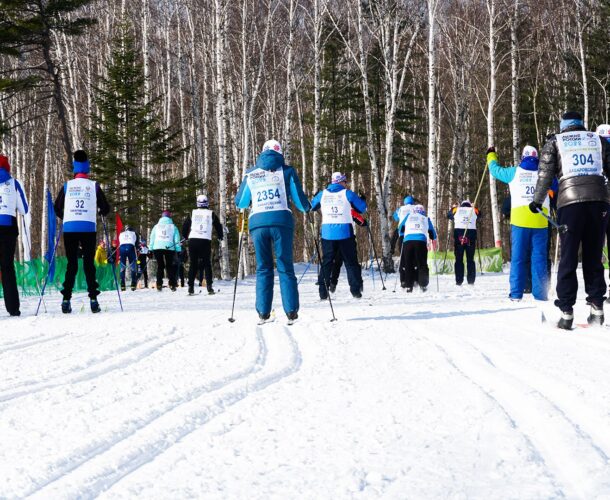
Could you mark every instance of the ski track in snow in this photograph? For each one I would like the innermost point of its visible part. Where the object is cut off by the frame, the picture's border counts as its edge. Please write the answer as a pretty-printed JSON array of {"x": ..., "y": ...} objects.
[{"x": 453, "y": 394}]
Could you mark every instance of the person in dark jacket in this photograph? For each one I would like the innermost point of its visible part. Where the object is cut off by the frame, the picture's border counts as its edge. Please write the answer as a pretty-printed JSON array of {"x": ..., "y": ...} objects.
[
  {"x": 198, "y": 230},
  {"x": 77, "y": 204},
  {"x": 464, "y": 220},
  {"x": 12, "y": 201},
  {"x": 580, "y": 159}
]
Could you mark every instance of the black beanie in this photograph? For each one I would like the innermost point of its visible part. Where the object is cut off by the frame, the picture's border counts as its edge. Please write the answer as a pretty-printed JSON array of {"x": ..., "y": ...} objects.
[
  {"x": 572, "y": 115},
  {"x": 80, "y": 156}
]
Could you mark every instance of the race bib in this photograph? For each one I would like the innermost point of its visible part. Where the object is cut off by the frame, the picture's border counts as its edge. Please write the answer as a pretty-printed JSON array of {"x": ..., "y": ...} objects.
[
  {"x": 201, "y": 224},
  {"x": 165, "y": 234},
  {"x": 127, "y": 238},
  {"x": 268, "y": 191},
  {"x": 465, "y": 218},
  {"x": 80, "y": 203},
  {"x": 336, "y": 209},
  {"x": 416, "y": 224},
  {"x": 581, "y": 154},
  {"x": 403, "y": 212},
  {"x": 523, "y": 187},
  {"x": 8, "y": 198}
]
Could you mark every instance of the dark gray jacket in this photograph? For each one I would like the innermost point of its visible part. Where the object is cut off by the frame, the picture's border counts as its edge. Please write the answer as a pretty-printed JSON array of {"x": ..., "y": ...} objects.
[{"x": 572, "y": 189}]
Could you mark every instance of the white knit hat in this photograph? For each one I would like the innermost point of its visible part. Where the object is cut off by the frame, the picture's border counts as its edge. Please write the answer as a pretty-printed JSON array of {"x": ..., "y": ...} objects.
[
  {"x": 529, "y": 151},
  {"x": 273, "y": 145}
]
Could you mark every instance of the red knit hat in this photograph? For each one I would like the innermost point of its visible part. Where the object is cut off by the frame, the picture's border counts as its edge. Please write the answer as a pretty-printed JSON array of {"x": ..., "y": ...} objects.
[{"x": 4, "y": 164}]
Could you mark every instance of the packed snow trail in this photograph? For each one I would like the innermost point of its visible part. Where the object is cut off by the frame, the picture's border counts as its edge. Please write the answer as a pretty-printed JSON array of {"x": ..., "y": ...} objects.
[{"x": 452, "y": 394}]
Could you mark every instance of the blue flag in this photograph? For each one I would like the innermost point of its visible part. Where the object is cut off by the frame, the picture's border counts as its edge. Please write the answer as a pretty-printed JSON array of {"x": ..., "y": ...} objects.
[{"x": 51, "y": 228}]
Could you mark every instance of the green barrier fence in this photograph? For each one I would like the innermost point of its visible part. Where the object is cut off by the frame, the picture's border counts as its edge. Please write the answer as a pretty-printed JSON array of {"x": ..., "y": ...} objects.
[
  {"x": 491, "y": 261},
  {"x": 29, "y": 272}
]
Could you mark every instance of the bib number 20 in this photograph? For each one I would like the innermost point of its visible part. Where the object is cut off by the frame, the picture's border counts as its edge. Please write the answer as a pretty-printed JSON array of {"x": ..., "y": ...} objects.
[{"x": 268, "y": 194}]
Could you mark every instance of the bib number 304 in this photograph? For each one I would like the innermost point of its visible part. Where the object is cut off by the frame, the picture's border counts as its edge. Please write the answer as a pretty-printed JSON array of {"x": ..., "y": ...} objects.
[
  {"x": 268, "y": 194},
  {"x": 582, "y": 159}
]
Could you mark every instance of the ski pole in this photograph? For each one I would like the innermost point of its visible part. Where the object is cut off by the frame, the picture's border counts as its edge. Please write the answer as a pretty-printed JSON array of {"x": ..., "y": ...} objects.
[
  {"x": 239, "y": 247},
  {"x": 116, "y": 283},
  {"x": 375, "y": 254},
  {"x": 46, "y": 280},
  {"x": 315, "y": 240},
  {"x": 402, "y": 245},
  {"x": 561, "y": 228},
  {"x": 307, "y": 268},
  {"x": 27, "y": 235}
]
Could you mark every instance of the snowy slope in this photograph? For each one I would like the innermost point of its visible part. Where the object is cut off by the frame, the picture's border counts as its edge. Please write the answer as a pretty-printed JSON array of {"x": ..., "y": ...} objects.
[{"x": 458, "y": 394}]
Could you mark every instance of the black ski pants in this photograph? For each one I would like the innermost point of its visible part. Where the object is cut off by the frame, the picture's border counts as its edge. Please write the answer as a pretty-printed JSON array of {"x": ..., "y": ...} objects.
[
  {"x": 166, "y": 259},
  {"x": 415, "y": 255},
  {"x": 143, "y": 267},
  {"x": 460, "y": 251},
  {"x": 586, "y": 223},
  {"x": 87, "y": 243},
  {"x": 200, "y": 260},
  {"x": 346, "y": 248},
  {"x": 8, "y": 243}
]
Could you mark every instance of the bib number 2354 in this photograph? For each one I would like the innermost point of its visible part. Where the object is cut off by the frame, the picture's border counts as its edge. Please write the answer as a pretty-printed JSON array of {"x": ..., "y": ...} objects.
[{"x": 268, "y": 194}]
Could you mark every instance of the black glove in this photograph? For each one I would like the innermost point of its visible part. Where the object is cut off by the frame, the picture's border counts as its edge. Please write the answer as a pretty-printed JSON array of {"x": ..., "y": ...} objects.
[
  {"x": 362, "y": 195},
  {"x": 490, "y": 149},
  {"x": 535, "y": 207}
]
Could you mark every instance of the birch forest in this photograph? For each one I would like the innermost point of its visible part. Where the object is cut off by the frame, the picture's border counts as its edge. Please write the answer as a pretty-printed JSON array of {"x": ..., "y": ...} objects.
[{"x": 173, "y": 98}]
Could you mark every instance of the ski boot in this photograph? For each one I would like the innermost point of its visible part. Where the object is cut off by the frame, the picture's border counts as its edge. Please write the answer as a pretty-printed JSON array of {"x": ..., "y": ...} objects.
[
  {"x": 423, "y": 288},
  {"x": 357, "y": 295},
  {"x": 66, "y": 307},
  {"x": 264, "y": 318},
  {"x": 292, "y": 317},
  {"x": 172, "y": 288},
  {"x": 566, "y": 320},
  {"x": 191, "y": 290},
  {"x": 95, "y": 306},
  {"x": 123, "y": 287},
  {"x": 134, "y": 286},
  {"x": 409, "y": 289},
  {"x": 596, "y": 316},
  {"x": 210, "y": 289},
  {"x": 332, "y": 287}
]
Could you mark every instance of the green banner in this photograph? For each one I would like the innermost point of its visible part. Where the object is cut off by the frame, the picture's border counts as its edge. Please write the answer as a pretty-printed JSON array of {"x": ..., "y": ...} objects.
[
  {"x": 31, "y": 275},
  {"x": 491, "y": 261}
]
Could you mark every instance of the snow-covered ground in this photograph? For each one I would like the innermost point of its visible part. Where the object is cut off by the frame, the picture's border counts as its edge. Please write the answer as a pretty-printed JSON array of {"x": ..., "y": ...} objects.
[{"x": 457, "y": 394}]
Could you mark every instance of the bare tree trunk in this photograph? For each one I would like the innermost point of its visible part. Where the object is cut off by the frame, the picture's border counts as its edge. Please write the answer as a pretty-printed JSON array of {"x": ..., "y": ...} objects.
[{"x": 514, "y": 71}]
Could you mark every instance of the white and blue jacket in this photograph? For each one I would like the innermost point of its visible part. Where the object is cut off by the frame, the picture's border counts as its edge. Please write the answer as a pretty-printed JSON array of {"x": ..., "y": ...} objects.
[
  {"x": 12, "y": 200},
  {"x": 339, "y": 231},
  {"x": 272, "y": 161},
  {"x": 420, "y": 236}
]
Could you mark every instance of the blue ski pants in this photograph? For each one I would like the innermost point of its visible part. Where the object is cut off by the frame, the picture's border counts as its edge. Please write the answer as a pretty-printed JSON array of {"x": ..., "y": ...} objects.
[
  {"x": 267, "y": 240},
  {"x": 128, "y": 252},
  {"x": 529, "y": 248}
]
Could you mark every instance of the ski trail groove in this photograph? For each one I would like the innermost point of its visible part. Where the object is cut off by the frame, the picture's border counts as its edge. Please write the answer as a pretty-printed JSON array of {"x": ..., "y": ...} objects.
[
  {"x": 13, "y": 346},
  {"x": 89, "y": 452},
  {"x": 94, "y": 370},
  {"x": 575, "y": 459},
  {"x": 534, "y": 453}
]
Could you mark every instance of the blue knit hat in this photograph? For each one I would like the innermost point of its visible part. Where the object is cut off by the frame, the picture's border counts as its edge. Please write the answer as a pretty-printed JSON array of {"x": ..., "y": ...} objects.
[
  {"x": 408, "y": 200},
  {"x": 81, "y": 162}
]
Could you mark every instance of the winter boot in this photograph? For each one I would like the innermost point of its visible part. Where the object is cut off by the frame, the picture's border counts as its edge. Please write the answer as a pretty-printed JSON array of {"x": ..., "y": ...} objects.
[
  {"x": 191, "y": 290},
  {"x": 566, "y": 320},
  {"x": 596, "y": 316},
  {"x": 66, "y": 307},
  {"x": 95, "y": 306},
  {"x": 292, "y": 316},
  {"x": 210, "y": 289}
]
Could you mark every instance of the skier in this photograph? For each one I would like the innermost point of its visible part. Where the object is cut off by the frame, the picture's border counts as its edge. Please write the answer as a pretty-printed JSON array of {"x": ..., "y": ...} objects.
[
  {"x": 604, "y": 132},
  {"x": 269, "y": 186},
  {"x": 129, "y": 241},
  {"x": 464, "y": 220},
  {"x": 198, "y": 230},
  {"x": 143, "y": 257},
  {"x": 529, "y": 231},
  {"x": 78, "y": 203},
  {"x": 417, "y": 228},
  {"x": 399, "y": 214},
  {"x": 337, "y": 202},
  {"x": 12, "y": 200},
  {"x": 165, "y": 242},
  {"x": 581, "y": 161}
]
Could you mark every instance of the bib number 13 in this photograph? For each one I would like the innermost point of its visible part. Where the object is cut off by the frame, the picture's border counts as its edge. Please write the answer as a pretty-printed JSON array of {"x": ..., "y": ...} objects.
[
  {"x": 581, "y": 159},
  {"x": 268, "y": 194}
]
